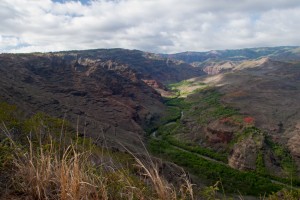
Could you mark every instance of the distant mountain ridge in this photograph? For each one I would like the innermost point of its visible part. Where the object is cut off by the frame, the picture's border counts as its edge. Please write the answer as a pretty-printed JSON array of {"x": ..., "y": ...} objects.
[{"x": 277, "y": 53}]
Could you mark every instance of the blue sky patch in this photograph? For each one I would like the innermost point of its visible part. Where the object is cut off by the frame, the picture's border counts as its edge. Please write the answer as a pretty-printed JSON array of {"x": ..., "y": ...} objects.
[{"x": 64, "y": 1}]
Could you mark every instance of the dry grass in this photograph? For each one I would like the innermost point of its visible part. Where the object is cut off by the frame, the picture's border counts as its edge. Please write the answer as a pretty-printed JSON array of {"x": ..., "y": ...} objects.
[
  {"x": 162, "y": 188},
  {"x": 45, "y": 175},
  {"x": 48, "y": 171}
]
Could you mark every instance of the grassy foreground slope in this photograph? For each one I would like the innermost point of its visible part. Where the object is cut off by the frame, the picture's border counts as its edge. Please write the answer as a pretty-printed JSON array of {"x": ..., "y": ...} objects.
[{"x": 44, "y": 158}]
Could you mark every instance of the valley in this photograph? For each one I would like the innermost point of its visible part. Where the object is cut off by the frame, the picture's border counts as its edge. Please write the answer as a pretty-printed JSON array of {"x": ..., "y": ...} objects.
[
  {"x": 228, "y": 117},
  {"x": 173, "y": 142}
]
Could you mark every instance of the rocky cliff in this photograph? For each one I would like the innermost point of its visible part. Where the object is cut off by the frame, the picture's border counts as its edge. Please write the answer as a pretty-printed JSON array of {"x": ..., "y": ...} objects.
[{"x": 103, "y": 91}]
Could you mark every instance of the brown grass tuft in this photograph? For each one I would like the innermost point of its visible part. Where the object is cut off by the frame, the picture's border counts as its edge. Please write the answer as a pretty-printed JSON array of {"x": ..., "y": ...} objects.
[{"x": 49, "y": 171}]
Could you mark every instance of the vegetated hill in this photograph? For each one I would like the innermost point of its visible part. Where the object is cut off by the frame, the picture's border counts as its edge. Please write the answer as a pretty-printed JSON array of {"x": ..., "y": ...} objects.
[
  {"x": 263, "y": 94},
  {"x": 278, "y": 53},
  {"x": 104, "y": 91}
]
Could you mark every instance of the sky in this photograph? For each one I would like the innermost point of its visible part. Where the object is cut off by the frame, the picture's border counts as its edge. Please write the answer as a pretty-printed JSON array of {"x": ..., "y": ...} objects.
[{"x": 159, "y": 26}]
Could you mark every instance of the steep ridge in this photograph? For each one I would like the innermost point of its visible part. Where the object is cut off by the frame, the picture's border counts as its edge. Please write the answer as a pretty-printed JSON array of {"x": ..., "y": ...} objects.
[
  {"x": 103, "y": 91},
  {"x": 146, "y": 65}
]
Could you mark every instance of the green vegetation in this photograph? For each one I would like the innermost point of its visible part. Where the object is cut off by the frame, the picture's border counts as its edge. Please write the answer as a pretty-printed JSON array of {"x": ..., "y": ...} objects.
[
  {"x": 8, "y": 116},
  {"x": 9, "y": 123},
  {"x": 166, "y": 133},
  {"x": 181, "y": 83},
  {"x": 187, "y": 87},
  {"x": 205, "y": 105},
  {"x": 173, "y": 113},
  {"x": 208, "y": 107},
  {"x": 178, "y": 102},
  {"x": 6, "y": 156},
  {"x": 285, "y": 194},
  {"x": 286, "y": 160},
  {"x": 210, "y": 193},
  {"x": 51, "y": 124},
  {"x": 197, "y": 149},
  {"x": 260, "y": 164},
  {"x": 251, "y": 131},
  {"x": 190, "y": 83},
  {"x": 283, "y": 155},
  {"x": 233, "y": 180}
]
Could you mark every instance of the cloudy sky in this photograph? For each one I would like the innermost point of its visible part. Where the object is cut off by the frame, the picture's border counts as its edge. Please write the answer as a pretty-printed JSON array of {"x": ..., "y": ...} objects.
[{"x": 165, "y": 26}]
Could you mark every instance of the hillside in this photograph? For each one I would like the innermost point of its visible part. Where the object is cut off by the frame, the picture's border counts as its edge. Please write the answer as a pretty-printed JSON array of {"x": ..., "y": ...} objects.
[
  {"x": 102, "y": 91},
  {"x": 268, "y": 91},
  {"x": 227, "y": 117}
]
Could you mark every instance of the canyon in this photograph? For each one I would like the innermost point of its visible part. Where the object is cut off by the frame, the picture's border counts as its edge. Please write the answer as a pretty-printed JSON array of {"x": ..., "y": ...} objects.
[{"x": 242, "y": 105}]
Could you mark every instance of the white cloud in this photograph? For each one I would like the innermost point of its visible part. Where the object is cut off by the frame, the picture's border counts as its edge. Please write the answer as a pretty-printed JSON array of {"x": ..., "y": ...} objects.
[{"x": 150, "y": 25}]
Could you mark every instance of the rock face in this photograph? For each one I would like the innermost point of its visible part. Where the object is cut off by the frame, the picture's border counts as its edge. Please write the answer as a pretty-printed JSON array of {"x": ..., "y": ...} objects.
[
  {"x": 155, "y": 84},
  {"x": 294, "y": 141},
  {"x": 244, "y": 154},
  {"x": 220, "y": 132},
  {"x": 216, "y": 68},
  {"x": 101, "y": 90},
  {"x": 159, "y": 87}
]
